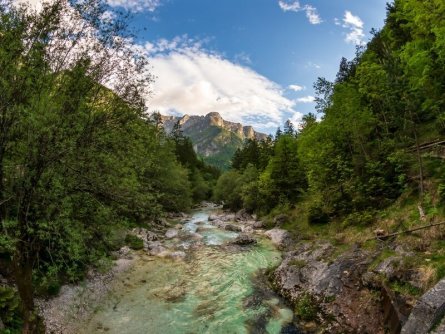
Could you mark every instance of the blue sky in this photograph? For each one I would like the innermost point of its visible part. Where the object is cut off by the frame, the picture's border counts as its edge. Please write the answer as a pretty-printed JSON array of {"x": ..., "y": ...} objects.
[{"x": 254, "y": 61}]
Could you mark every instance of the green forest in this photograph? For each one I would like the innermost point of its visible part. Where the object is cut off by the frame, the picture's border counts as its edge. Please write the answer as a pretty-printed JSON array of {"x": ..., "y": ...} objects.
[
  {"x": 379, "y": 135},
  {"x": 80, "y": 163}
]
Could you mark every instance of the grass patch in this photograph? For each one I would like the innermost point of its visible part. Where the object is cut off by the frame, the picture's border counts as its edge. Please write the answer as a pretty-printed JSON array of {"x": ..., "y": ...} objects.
[
  {"x": 297, "y": 263},
  {"x": 405, "y": 288},
  {"x": 306, "y": 308},
  {"x": 385, "y": 254}
]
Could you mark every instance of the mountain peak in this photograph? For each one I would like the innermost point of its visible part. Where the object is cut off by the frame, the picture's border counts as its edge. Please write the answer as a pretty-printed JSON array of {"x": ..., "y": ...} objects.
[
  {"x": 213, "y": 114},
  {"x": 213, "y": 138}
]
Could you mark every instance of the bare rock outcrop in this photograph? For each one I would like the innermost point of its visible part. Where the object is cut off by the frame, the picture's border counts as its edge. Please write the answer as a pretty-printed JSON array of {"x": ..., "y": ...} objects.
[
  {"x": 341, "y": 303},
  {"x": 280, "y": 238},
  {"x": 428, "y": 312}
]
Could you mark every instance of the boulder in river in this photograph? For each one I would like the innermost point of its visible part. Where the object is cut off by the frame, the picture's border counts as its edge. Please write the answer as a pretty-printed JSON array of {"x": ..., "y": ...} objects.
[
  {"x": 232, "y": 228},
  {"x": 202, "y": 229},
  {"x": 171, "y": 233},
  {"x": 212, "y": 218},
  {"x": 244, "y": 239}
]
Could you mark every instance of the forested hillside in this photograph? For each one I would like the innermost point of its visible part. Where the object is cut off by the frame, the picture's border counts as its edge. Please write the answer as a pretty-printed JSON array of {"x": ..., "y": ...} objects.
[
  {"x": 370, "y": 146},
  {"x": 374, "y": 163}
]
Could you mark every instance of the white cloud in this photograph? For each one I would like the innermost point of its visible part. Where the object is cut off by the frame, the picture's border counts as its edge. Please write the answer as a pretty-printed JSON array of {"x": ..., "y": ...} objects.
[
  {"x": 296, "y": 118},
  {"x": 292, "y": 6},
  {"x": 136, "y": 5},
  {"x": 352, "y": 20},
  {"x": 305, "y": 99},
  {"x": 296, "y": 88},
  {"x": 312, "y": 15},
  {"x": 295, "y": 6},
  {"x": 195, "y": 81},
  {"x": 355, "y": 25},
  {"x": 312, "y": 65}
]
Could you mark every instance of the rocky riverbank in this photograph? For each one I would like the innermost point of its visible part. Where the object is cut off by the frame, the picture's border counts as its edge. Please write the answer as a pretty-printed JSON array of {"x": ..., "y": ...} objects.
[
  {"x": 174, "y": 240},
  {"x": 75, "y": 303},
  {"x": 357, "y": 290},
  {"x": 331, "y": 290}
]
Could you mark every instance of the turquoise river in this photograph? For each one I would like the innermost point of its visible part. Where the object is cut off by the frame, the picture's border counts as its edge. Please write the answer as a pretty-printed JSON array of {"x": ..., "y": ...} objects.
[{"x": 217, "y": 288}]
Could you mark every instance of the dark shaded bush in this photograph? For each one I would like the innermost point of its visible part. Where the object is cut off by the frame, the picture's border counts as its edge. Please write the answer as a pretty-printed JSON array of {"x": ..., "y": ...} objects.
[
  {"x": 134, "y": 242},
  {"x": 317, "y": 216}
]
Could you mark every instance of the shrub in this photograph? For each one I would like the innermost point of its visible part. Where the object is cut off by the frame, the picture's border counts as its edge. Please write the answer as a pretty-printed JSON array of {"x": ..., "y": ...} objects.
[
  {"x": 9, "y": 308},
  {"x": 317, "y": 216},
  {"x": 134, "y": 242}
]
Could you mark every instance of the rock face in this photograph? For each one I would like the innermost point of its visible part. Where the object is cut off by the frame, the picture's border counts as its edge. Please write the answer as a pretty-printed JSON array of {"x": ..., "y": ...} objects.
[
  {"x": 213, "y": 137},
  {"x": 428, "y": 311},
  {"x": 343, "y": 304},
  {"x": 281, "y": 238}
]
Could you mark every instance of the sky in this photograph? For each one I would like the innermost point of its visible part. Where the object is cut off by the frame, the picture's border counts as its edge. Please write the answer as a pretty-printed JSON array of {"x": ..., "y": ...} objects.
[{"x": 253, "y": 61}]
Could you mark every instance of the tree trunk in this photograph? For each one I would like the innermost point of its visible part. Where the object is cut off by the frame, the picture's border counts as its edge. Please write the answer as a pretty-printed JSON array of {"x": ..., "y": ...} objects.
[
  {"x": 420, "y": 162},
  {"x": 23, "y": 278}
]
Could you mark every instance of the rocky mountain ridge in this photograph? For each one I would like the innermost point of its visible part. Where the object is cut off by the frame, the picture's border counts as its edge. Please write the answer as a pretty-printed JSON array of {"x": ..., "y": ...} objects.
[{"x": 213, "y": 138}]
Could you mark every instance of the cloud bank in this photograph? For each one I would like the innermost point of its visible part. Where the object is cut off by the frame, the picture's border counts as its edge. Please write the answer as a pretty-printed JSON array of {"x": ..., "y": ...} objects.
[{"x": 191, "y": 80}]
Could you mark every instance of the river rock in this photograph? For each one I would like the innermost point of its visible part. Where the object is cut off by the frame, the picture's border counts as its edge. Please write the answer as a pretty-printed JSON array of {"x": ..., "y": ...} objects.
[
  {"x": 171, "y": 233},
  {"x": 144, "y": 234},
  {"x": 427, "y": 312},
  {"x": 281, "y": 238},
  {"x": 247, "y": 229},
  {"x": 124, "y": 253},
  {"x": 258, "y": 224},
  {"x": 155, "y": 248},
  {"x": 232, "y": 228},
  {"x": 178, "y": 226},
  {"x": 242, "y": 215},
  {"x": 212, "y": 218},
  {"x": 178, "y": 255},
  {"x": 244, "y": 239},
  {"x": 201, "y": 229}
]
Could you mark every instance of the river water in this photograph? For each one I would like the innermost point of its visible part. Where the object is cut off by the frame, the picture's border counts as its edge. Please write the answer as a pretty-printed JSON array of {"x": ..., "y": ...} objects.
[{"x": 215, "y": 289}]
